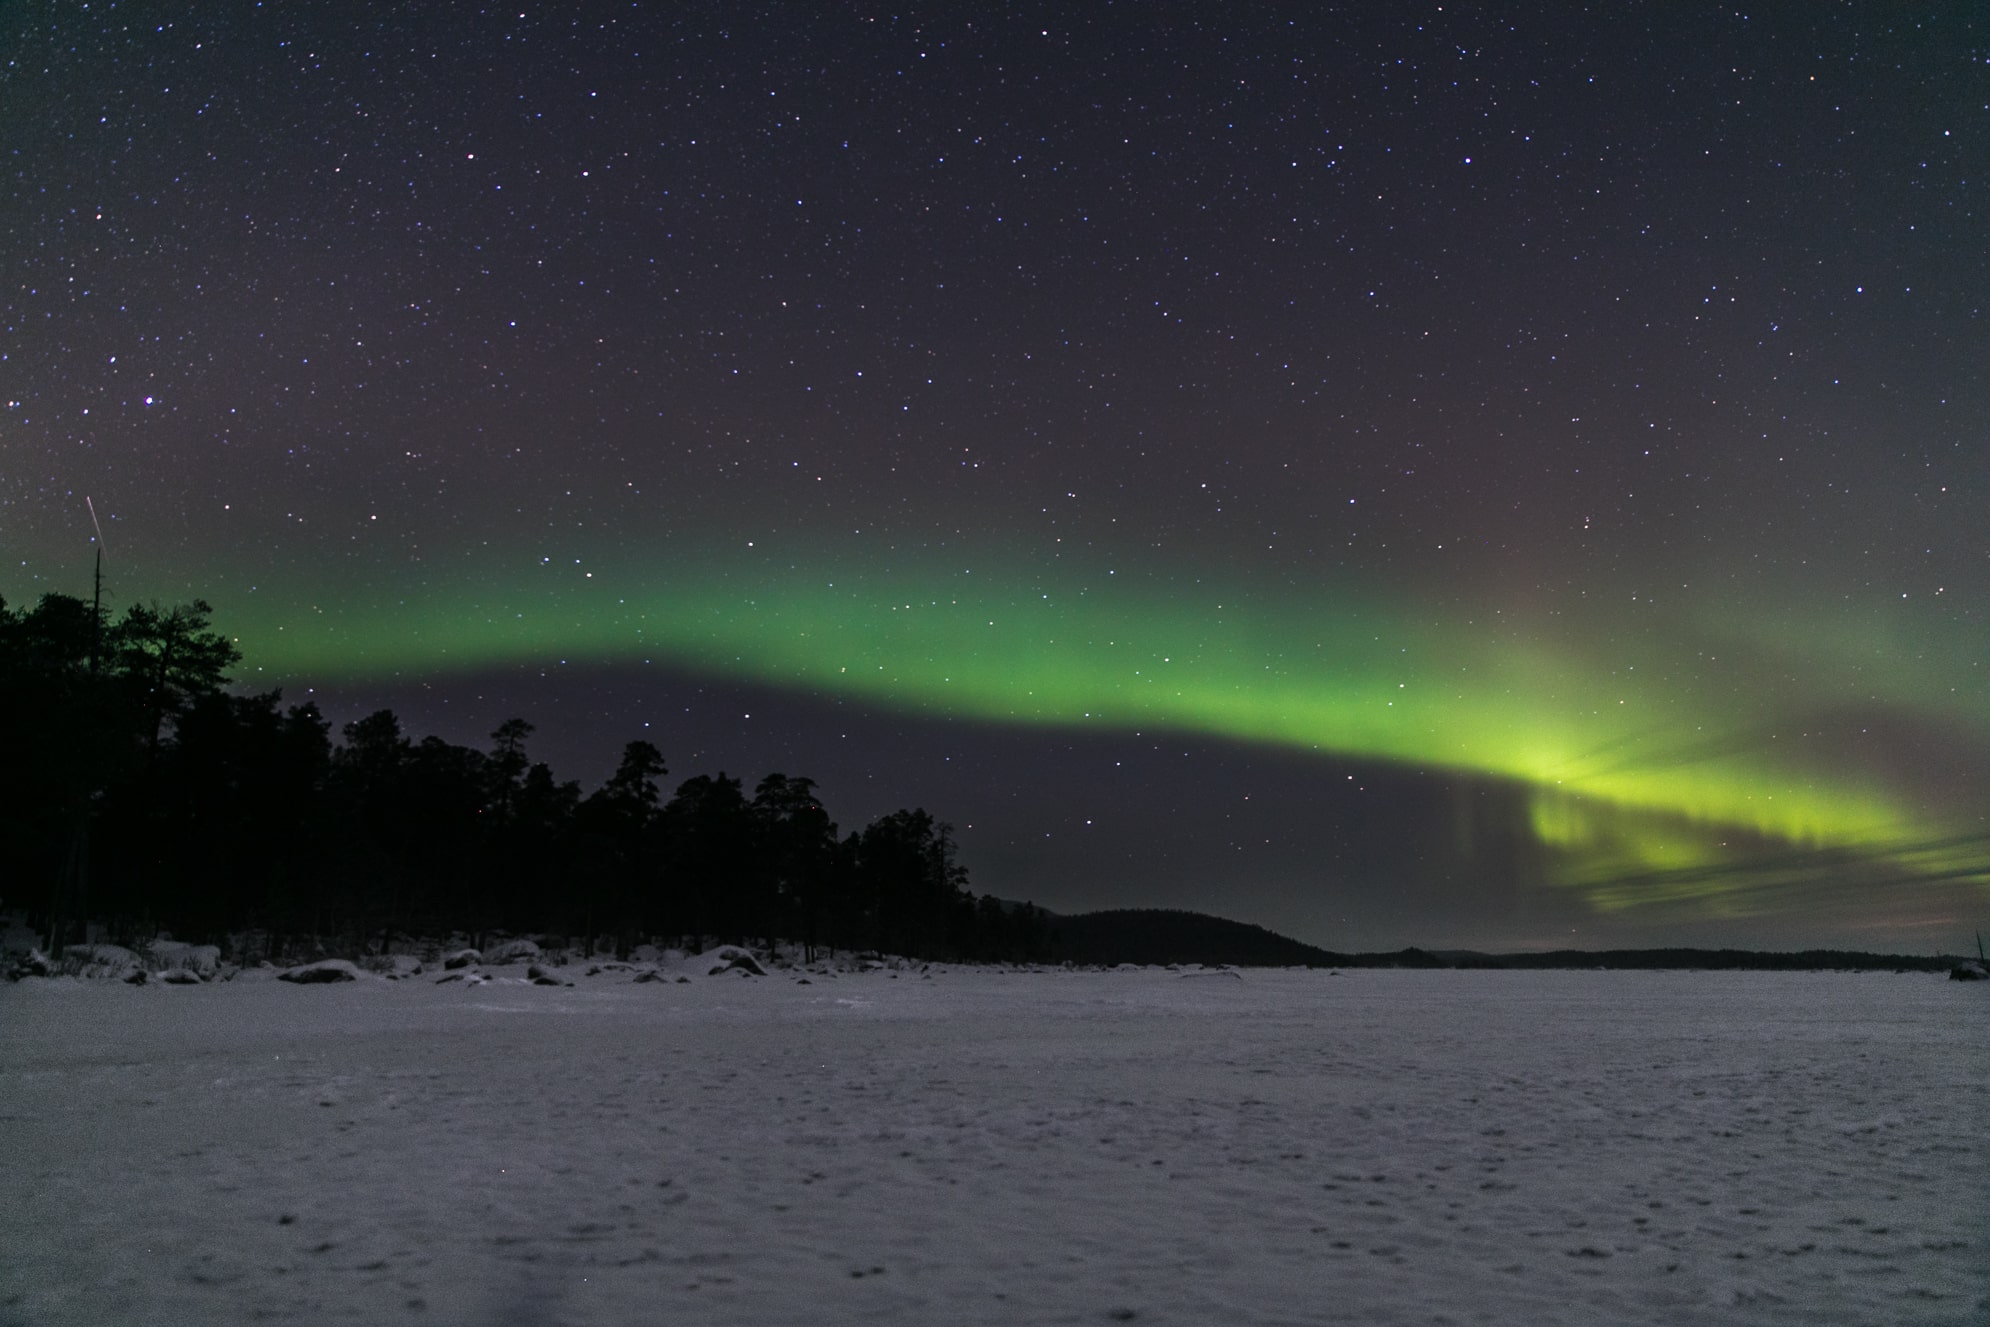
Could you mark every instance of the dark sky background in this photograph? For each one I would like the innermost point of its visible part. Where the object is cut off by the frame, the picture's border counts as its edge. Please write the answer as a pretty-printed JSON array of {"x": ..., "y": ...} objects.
[{"x": 1392, "y": 473}]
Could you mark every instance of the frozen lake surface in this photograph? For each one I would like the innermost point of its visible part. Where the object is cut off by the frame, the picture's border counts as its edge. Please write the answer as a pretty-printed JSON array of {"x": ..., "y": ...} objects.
[{"x": 1289, "y": 1147}]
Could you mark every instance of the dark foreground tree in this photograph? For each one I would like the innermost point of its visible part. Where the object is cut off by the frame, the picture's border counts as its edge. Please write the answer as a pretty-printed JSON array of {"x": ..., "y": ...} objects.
[{"x": 797, "y": 857}]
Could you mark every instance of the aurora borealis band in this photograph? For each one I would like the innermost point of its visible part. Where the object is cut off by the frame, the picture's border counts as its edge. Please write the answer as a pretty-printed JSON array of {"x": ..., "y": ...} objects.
[{"x": 1526, "y": 475}]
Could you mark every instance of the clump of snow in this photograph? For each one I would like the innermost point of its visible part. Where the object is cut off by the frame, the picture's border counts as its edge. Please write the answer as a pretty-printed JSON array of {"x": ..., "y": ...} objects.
[
  {"x": 181, "y": 977},
  {"x": 1969, "y": 970},
  {"x": 324, "y": 970}
]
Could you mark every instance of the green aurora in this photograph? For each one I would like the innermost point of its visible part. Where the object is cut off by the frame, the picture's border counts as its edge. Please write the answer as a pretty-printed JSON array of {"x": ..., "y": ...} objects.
[{"x": 1651, "y": 759}]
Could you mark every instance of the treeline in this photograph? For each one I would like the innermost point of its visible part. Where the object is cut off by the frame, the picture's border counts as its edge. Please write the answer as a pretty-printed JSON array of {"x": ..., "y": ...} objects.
[{"x": 138, "y": 792}]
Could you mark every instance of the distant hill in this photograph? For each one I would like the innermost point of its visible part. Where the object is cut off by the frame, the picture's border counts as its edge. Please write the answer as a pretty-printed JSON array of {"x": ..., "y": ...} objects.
[
  {"x": 1158, "y": 936},
  {"x": 1165, "y": 935},
  {"x": 1807, "y": 960}
]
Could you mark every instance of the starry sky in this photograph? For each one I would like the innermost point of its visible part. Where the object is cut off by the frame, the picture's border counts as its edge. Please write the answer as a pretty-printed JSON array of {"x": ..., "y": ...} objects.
[{"x": 1507, "y": 476}]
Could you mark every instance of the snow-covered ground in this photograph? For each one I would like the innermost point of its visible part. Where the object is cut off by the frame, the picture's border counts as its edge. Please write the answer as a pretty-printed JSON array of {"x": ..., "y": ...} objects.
[{"x": 978, "y": 1147}]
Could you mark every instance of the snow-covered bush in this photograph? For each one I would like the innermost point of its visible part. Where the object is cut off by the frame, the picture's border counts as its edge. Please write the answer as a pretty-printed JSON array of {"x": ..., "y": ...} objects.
[
  {"x": 168, "y": 955},
  {"x": 99, "y": 961},
  {"x": 33, "y": 963}
]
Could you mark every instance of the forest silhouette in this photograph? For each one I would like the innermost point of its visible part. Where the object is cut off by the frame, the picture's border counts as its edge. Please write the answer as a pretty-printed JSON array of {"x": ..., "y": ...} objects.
[{"x": 138, "y": 793}]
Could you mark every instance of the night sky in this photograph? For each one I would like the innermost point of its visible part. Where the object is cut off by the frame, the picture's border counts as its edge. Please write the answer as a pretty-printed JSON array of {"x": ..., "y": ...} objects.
[{"x": 1391, "y": 474}]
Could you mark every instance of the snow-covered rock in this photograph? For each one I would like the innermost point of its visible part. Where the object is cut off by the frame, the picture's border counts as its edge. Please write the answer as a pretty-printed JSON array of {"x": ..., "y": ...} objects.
[
  {"x": 394, "y": 967},
  {"x": 1969, "y": 970},
  {"x": 462, "y": 958},
  {"x": 729, "y": 958},
  {"x": 181, "y": 977},
  {"x": 325, "y": 970},
  {"x": 514, "y": 951},
  {"x": 542, "y": 975}
]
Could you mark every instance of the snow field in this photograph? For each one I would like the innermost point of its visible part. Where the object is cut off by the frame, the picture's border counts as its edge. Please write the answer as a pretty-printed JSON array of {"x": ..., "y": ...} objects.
[{"x": 1378, "y": 1147}]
